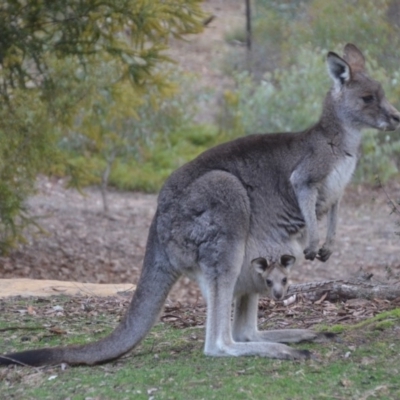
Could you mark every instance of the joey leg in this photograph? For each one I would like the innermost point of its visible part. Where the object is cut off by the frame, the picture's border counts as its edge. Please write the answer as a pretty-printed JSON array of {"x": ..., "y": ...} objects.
[
  {"x": 245, "y": 318},
  {"x": 219, "y": 341}
]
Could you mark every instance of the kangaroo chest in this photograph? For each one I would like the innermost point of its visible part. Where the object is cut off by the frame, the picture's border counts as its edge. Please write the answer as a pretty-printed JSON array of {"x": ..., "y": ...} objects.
[
  {"x": 341, "y": 175},
  {"x": 335, "y": 183}
]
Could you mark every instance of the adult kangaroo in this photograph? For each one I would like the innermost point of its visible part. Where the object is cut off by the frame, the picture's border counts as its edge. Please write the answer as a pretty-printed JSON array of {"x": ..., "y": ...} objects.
[{"x": 254, "y": 196}]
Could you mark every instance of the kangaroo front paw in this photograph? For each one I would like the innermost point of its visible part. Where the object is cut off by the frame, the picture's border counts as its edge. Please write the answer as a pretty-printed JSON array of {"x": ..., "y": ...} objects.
[
  {"x": 310, "y": 253},
  {"x": 324, "y": 253}
]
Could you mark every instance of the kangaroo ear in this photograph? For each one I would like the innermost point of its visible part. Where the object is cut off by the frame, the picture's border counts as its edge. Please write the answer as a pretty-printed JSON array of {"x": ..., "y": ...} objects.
[
  {"x": 338, "y": 69},
  {"x": 354, "y": 57},
  {"x": 287, "y": 261},
  {"x": 260, "y": 264}
]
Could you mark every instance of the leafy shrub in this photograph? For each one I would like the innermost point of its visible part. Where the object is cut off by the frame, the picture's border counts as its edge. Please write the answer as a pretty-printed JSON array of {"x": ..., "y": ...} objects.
[
  {"x": 49, "y": 55},
  {"x": 158, "y": 161},
  {"x": 277, "y": 103},
  {"x": 281, "y": 29},
  {"x": 25, "y": 150},
  {"x": 110, "y": 131}
]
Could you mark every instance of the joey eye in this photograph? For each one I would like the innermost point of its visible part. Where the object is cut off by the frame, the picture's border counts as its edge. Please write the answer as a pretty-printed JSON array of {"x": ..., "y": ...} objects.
[
  {"x": 284, "y": 281},
  {"x": 368, "y": 99},
  {"x": 269, "y": 283}
]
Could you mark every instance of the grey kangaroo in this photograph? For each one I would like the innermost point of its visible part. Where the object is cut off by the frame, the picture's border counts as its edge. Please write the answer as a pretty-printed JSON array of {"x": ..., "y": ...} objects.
[{"x": 223, "y": 209}]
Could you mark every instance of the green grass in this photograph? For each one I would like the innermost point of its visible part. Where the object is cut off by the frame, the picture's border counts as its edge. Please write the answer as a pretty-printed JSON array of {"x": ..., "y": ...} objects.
[{"x": 170, "y": 364}]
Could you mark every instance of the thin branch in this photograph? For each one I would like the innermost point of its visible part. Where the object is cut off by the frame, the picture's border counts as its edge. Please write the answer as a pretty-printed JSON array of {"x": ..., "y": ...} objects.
[
  {"x": 395, "y": 207},
  {"x": 26, "y": 328}
]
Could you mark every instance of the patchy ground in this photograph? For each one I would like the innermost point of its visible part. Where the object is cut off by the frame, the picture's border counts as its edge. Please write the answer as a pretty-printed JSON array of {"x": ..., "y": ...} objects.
[
  {"x": 82, "y": 244},
  {"x": 272, "y": 315},
  {"x": 359, "y": 363}
]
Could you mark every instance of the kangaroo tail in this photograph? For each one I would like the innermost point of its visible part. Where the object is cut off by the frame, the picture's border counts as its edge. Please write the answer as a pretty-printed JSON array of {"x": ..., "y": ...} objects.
[{"x": 155, "y": 282}]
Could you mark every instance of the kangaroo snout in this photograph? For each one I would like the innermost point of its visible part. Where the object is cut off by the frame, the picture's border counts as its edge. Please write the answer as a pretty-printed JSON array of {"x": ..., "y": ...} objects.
[
  {"x": 393, "y": 118},
  {"x": 396, "y": 119},
  {"x": 277, "y": 294}
]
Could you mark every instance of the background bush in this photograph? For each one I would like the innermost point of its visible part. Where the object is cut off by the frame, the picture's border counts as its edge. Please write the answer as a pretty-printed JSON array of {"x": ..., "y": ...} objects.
[{"x": 283, "y": 86}]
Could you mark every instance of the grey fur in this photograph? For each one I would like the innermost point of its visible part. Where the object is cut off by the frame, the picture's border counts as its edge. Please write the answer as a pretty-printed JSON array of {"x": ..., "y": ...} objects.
[{"x": 257, "y": 194}]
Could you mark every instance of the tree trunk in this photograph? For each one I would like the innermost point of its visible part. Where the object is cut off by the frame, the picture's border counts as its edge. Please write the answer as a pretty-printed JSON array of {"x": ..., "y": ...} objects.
[
  {"x": 248, "y": 35},
  {"x": 104, "y": 180}
]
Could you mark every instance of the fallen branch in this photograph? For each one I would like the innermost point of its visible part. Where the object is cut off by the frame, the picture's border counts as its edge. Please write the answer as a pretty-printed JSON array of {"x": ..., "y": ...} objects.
[
  {"x": 17, "y": 328},
  {"x": 353, "y": 288}
]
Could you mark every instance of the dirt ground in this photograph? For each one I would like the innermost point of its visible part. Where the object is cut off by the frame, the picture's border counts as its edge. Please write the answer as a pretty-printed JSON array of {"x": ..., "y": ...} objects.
[{"x": 82, "y": 244}]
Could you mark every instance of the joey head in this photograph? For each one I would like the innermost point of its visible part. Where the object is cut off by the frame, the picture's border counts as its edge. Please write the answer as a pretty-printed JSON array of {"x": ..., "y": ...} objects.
[{"x": 273, "y": 276}]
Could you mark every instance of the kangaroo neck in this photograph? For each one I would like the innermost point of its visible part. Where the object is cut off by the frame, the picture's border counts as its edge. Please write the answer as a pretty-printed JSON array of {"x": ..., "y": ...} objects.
[{"x": 334, "y": 125}]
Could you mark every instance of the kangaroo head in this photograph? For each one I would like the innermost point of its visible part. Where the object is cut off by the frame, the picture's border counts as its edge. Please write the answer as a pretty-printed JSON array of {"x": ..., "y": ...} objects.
[
  {"x": 274, "y": 274},
  {"x": 359, "y": 101}
]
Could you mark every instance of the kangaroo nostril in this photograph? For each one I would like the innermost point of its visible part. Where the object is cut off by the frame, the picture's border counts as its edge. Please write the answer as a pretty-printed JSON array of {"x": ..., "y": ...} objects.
[
  {"x": 278, "y": 295},
  {"x": 396, "y": 118}
]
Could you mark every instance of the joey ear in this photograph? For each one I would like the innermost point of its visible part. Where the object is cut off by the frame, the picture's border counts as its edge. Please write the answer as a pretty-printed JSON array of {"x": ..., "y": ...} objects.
[
  {"x": 260, "y": 264},
  {"x": 338, "y": 69},
  {"x": 354, "y": 57},
  {"x": 287, "y": 261}
]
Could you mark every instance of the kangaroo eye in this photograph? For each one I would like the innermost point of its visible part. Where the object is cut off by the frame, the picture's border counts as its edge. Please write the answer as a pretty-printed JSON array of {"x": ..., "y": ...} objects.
[
  {"x": 269, "y": 282},
  {"x": 284, "y": 281},
  {"x": 368, "y": 99}
]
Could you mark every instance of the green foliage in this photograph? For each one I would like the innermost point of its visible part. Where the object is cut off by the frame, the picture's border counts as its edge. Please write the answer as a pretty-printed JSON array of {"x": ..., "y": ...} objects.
[
  {"x": 133, "y": 32},
  {"x": 280, "y": 29},
  {"x": 257, "y": 107},
  {"x": 25, "y": 142},
  {"x": 367, "y": 24},
  {"x": 69, "y": 64},
  {"x": 111, "y": 131},
  {"x": 380, "y": 152},
  {"x": 157, "y": 160}
]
